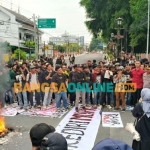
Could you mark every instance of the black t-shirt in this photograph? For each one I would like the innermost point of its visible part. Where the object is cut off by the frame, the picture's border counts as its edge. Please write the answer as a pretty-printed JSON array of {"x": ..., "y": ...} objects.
[
  {"x": 59, "y": 79},
  {"x": 45, "y": 74},
  {"x": 129, "y": 75},
  {"x": 19, "y": 79}
]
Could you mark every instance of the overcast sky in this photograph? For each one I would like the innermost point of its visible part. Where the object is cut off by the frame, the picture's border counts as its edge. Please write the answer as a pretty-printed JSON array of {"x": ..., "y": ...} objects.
[{"x": 69, "y": 15}]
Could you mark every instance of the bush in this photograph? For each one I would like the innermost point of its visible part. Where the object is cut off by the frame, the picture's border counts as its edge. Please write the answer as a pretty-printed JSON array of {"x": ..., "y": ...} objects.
[{"x": 22, "y": 54}]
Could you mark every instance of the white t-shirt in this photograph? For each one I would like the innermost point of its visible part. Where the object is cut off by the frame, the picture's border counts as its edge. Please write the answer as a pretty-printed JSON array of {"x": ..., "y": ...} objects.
[{"x": 33, "y": 81}]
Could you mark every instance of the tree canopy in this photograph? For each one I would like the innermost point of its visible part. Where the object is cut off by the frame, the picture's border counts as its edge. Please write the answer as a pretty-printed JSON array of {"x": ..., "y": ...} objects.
[
  {"x": 102, "y": 15},
  {"x": 20, "y": 52}
]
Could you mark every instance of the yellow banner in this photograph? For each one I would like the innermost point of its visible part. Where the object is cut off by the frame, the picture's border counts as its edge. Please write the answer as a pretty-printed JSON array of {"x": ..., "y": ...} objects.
[{"x": 125, "y": 87}]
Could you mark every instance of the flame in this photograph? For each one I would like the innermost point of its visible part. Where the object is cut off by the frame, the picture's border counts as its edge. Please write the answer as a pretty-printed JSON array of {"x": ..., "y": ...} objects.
[
  {"x": 2, "y": 121},
  {"x": 2, "y": 125}
]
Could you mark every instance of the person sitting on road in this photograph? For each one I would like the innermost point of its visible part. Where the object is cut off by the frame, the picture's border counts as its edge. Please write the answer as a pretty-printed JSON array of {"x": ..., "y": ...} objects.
[
  {"x": 38, "y": 132},
  {"x": 54, "y": 141},
  {"x": 111, "y": 144}
]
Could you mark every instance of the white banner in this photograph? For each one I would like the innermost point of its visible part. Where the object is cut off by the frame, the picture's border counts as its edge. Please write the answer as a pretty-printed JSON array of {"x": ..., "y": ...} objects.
[
  {"x": 112, "y": 120},
  {"x": 80, "y": 129}
]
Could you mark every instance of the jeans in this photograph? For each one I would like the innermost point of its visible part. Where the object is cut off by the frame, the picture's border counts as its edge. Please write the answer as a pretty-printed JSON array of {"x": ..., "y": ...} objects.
[
  {"x": 9, "y": 92},
  {"x": 87, "y": 96},
  {"x": 37, "y": 98},
  {"x": 128, "y": 102},
  {"x": 112, "y": 99},
  {"x": 61, "y": 96},
  {"x": 78, "y": 93},
  {"x": 20, "y": 100},
  {"x": 105, "y": 98},
  {"x": 97, "y": 98},
  {"x": 47, "y": 96},
  {"x": 72, "y": 97}
]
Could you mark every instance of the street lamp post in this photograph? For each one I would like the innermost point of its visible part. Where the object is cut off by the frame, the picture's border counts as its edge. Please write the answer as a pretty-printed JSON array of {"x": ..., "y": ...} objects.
[
  {"x": 119, "y": 22},
  {"x": 148, "y": 29},
  {"x": 113, "y": 46}
]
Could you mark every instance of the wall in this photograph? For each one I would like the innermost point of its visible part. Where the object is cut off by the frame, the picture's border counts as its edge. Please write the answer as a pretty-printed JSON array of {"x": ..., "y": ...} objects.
[{"x": 8, "y": 31}]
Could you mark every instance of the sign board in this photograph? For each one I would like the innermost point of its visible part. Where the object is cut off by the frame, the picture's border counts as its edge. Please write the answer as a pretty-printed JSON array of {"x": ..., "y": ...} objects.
[{"x": 47, "y": 23}]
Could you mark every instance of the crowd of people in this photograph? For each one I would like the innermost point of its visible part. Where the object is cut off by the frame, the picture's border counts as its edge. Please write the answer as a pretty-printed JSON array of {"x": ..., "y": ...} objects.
[
  {"x": 39, "y": 84},
  {"x": 34, "y": 84}
]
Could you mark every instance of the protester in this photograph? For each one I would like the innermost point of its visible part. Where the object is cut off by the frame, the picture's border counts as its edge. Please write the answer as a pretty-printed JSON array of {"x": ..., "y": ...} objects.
[
  {"x": 142, "y": 113},
  {"x": 137, "y": 78},
  {"x": 79, "y": 78},
  {"x": 54, "y": 141},
  {"x": 119, "y": 79},
  {"x": 111, "y": 144},
  {"x": 48, "y": 74},
  {"x": 59, "y": 87},
  {"x": 38, "y": 132},
  {"x": 32, "y": 79}
]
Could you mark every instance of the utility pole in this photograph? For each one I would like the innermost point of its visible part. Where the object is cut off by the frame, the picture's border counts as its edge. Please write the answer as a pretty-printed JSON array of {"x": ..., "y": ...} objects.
[
  {"x": 19, "y": 42},
  {"x": 148, "y": 30},
  {"x": 44, "y": 50},
  {"x": 35, "y": 37}
]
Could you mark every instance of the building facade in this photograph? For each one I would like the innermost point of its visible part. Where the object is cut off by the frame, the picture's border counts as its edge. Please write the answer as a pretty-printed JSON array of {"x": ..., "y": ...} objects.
[
  {"x": 16, "y": 28},
  {"x": 66, "y": 38}
]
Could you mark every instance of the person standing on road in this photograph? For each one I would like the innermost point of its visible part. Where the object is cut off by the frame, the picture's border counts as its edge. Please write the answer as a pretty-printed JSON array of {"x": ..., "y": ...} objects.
[
  {"x": 70, "y": 59},
  {"x": 119, "y": 79},
  {"x": 146, "y": 78},
  {"x": 58, "y": 61},
  {"x": 137, "y": 78},
  {"x": 80, "y": 78},
  {"x": 32, "y": 79},
  {"x": 48, "y": 74},
  {"x": 88, "y": 79},
  {"x": 59, "y": 86},
  {"x": 106, "y": 80},
  {"x": 73, "y": 59},
  {"x": 128, "y": 74}
]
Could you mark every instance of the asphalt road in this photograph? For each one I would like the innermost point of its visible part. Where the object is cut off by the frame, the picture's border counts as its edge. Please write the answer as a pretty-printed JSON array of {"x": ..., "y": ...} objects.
[{"x": 24, "y": 123}]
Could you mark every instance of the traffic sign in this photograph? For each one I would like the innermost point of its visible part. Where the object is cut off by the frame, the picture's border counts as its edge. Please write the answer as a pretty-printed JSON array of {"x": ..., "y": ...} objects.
[{"x": 47, "y": 23}]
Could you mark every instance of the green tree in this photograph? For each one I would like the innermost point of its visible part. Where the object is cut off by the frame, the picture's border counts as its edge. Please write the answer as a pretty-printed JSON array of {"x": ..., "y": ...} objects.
[
  {"x": 138, "y": 27},
  {"x": 94, "y": 45},
  {"x": 102, "y": 15},
  {"x": 30, "y": 44},
  {"x": 21, "y": 52},
  {"x": 61, "y": 48}
]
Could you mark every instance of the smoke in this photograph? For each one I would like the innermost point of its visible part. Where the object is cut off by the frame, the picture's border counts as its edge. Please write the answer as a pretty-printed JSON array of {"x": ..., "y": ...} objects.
[{"x": 4, "y": 70}]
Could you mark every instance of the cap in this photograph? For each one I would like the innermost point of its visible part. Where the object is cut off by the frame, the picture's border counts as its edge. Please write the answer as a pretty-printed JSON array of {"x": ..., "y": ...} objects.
[
  {"x": 121, "y": 68},
  {"x": 117, "y": 64},
  {"x": 32, "y": 66},
  {"x": 111, "y": 144},
  {"x": 54, "y": 141},
  {"x": 106, "y": 65},
  {"x": 39, "y": 131}
]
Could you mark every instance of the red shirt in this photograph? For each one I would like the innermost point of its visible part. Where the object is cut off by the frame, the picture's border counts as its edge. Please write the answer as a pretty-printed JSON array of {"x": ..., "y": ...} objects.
[{"x": 137, "y": 77}]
